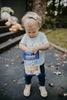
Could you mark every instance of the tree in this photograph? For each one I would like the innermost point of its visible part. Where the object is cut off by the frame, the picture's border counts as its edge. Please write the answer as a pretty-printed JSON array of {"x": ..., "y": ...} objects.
[
  {"x": 53, "y": 7},
  {"x": 39, "y": 6},
  {"x": 59, "y": 7}
]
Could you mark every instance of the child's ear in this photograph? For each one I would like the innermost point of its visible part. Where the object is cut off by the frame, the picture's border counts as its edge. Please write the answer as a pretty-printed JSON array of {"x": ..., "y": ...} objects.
[{"x": 39, "y": 26}]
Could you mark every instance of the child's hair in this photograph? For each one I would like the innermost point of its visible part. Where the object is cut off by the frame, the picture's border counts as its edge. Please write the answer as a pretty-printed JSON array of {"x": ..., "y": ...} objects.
[{"x": 31, "y": 18}]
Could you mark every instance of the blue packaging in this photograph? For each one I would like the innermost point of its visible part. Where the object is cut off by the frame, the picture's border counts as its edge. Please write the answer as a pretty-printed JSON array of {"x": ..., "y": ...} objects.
[{"x": 31, "y": 63}]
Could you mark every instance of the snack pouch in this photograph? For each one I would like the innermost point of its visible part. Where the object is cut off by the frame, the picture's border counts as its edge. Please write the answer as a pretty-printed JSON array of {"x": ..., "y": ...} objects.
[{"x": 31, "y": 63}]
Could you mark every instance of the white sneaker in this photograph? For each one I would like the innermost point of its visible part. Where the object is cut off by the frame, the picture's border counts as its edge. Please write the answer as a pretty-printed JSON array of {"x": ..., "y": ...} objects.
[
  {"x": 27, "y": 90},
  {"x": 43, "y": 91}
]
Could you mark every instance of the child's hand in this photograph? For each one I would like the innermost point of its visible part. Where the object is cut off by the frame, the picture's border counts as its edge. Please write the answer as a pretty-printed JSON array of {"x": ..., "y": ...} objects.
[
  {"x": 34, "y": 50},
  {"x": 40, "y": 47}
]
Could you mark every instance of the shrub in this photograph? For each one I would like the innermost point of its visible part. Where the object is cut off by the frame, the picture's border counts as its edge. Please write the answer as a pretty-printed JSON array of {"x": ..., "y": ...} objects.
[
  {"x": 61, "y": 22},
  {"x": 49, "y": 23}
]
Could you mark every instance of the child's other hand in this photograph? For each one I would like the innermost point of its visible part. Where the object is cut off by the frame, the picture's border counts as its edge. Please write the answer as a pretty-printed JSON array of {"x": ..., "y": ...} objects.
[{"x": 34, "y": 50}]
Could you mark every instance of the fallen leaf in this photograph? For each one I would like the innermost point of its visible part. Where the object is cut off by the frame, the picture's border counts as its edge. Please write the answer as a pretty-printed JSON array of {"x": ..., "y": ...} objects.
[
  {"x": 5, "y": 84},
  {"x": 61, "y": 94},
  {"x": 12, "y": 60},
  {"x": 57, "y": 68},
  {"x": 5, "y": 74},
  {"x": 57, "y": 59},
  {"x": 60, "y": 55},
  {"x": 50, "y": 66},
  {"x": 65, "y": 55},
  {"x": 62, "y": 64},
  {"x": 12, "y": 63},
  {"x": 14, "y": 80},
  {"x": 7, "y": 65},
  {"x": 56, "y": 55},
  {"x": 0, "y": 57},
  {"x": 65, "y": 62},
  {"x": 7, "y": 59},
  {"x": 65, "y": 94},
  {"x": 57, "y": 73},
  {"x": 58, "y": 64},
  {"x": 17, "y": 56},
  {"x": 51, "y": 84}
]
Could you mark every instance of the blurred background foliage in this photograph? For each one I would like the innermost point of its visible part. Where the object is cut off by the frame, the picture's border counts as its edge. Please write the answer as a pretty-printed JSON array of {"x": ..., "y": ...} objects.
[
  {"x": 56, "y": 14},
  {"x": 53, "y": 12},
  {"x": 54, "y": 17}
]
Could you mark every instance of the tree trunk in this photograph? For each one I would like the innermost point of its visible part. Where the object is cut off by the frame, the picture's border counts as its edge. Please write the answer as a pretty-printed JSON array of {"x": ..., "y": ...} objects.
[{"x": 39, "y": 6}]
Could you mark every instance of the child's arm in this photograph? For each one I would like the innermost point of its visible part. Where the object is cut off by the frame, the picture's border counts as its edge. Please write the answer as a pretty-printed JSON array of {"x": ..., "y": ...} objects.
[
  {"x": 22, "y": 43},
  {"x": 40, "y": 47},
  {"x": 45, "y": 44},
  {"x": 23, "y": 47}
]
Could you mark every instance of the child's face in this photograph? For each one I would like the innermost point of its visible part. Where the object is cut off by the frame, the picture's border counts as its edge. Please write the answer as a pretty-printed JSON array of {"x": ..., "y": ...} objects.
[{"x": 32, "y": 31}]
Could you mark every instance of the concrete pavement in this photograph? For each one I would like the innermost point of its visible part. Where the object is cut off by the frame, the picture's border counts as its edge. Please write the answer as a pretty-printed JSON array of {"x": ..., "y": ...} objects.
[{"x": 12, "y": 76}]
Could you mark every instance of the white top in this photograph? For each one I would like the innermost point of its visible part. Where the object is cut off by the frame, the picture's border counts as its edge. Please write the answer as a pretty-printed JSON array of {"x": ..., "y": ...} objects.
[{"x": 32, "y": 42}]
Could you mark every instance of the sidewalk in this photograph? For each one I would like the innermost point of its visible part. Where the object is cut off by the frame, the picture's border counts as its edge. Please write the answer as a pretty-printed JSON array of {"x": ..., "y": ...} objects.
[{"x": 12, "y": 76}]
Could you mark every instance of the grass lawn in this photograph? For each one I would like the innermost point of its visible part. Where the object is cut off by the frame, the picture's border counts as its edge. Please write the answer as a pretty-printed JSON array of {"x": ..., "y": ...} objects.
[{"x": 58, "y": 37}]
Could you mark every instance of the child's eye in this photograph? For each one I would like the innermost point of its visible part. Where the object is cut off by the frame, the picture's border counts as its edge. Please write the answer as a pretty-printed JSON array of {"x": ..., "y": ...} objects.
[
  {"x": 28, "y": 32},
  {"x": 34, "y": 32}
]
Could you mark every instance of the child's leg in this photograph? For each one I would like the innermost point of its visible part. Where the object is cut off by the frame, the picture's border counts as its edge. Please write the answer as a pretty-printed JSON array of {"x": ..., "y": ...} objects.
[
  {"x": 28, "y": 79},
  {"x": 28, "y": 85},
  {"x": 41, "y": 78}
]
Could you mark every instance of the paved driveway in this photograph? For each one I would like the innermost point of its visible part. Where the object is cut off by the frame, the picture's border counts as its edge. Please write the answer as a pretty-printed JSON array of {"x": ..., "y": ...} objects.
[{"x": 12, "y": 76}]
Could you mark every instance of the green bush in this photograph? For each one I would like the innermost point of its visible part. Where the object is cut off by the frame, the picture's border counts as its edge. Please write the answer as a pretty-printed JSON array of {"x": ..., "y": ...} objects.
[
  {"x": 53, "y": 23},
  {"x": 61, "y": 22},
  {"x": 49, "y": 23}
]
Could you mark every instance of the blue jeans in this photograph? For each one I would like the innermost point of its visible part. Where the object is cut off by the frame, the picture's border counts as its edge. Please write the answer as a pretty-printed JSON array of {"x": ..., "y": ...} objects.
[{"x": 41, "y": 77}]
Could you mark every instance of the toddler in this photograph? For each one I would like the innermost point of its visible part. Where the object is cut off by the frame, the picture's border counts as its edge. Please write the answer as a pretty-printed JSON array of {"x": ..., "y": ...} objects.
[{"x": 34, "y": 41}]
